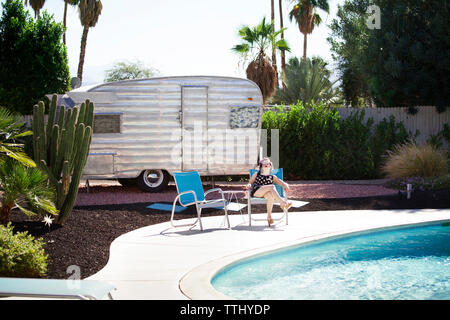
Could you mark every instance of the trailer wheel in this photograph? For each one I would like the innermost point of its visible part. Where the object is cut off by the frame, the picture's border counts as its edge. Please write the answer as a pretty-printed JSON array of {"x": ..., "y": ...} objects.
[
  {"x": 127, "y": 182},
  {"x": 153, "y": 180}
]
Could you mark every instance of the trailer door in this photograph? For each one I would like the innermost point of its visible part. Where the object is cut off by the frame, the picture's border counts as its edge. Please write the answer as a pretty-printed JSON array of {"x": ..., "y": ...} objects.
[{"x": 194, "y": 124}]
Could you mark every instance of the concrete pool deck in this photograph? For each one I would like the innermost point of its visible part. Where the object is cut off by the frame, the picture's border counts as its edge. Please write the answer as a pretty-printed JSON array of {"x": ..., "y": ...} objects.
[{"x": 160, "y": 262}]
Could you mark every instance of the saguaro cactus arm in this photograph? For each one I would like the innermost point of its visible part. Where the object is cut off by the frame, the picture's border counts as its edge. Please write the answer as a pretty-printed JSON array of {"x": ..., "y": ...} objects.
[{"x": 61, "y": 147}]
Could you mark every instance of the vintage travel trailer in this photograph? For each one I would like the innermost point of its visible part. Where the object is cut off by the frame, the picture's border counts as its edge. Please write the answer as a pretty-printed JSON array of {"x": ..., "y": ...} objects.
[{"x": 148, "y": 128}]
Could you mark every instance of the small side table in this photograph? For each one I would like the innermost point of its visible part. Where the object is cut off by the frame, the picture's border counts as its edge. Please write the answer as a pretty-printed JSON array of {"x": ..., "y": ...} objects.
[{"x": 233, "y": 194}]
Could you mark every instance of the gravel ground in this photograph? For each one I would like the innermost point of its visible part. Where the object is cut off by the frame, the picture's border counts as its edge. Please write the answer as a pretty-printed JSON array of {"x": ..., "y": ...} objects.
[{"x": 113, "y": 193}]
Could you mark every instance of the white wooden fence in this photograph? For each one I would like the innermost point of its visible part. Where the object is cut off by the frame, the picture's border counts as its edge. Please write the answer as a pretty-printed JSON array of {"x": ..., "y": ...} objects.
[{"x": 427, "y": 120}]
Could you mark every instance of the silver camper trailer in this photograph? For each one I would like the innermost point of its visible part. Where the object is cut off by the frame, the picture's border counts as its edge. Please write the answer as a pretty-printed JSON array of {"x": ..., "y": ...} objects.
[{"x": 148, "y": 128}]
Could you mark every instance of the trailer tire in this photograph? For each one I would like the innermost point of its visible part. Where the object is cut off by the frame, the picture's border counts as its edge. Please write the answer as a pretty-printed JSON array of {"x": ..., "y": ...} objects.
[
  {"x": 127, "y": 182},
  {"x": 149, "y": 183}
]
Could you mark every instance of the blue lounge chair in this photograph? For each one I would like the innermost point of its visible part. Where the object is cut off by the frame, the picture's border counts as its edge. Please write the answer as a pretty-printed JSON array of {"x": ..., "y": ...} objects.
[
  {"x": 190, "y": 192},
  {"x": 52, "y": 288},
  {"x": 253, "y": 200}
]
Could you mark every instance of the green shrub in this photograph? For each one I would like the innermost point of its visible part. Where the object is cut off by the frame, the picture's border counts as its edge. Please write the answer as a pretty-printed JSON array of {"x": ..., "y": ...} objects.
[
  {"x": 385, "y": 136},
  {"x": 33, "y": 57},
  {"x": 21, "y": 255},
  {"x": 412, "y": 160},
  {"x": 353, "y": 151},
  {"x": 445, "y": 132},
  {"x": 316, "y": 143}
]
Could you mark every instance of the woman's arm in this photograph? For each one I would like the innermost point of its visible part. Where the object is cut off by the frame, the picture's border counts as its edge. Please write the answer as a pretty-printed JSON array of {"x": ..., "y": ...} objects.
[
  {"x": 281, "y": 183},
  {"x": 251, "y": 181}
]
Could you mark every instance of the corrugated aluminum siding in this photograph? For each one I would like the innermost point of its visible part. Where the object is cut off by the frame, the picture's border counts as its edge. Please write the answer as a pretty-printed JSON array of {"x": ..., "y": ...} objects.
[{"x": 151, "y": 129}]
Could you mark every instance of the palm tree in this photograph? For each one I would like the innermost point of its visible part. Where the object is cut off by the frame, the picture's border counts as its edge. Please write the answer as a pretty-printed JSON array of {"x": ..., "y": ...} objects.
[
  {"x": 11, "y": 129},
  {"x": 89, "y": 11},
  {"x": 257, "y": 41},
  {"x": 272, "y": 22},
  {"x": 36, "y": 5},
  {"x": 66, "y": 3},
  {"x": 22, "y": 186},
  {"x": 283, "y": 55},
  {"x": 307, "y": 81},
  {"x": 304, "y": 13}
]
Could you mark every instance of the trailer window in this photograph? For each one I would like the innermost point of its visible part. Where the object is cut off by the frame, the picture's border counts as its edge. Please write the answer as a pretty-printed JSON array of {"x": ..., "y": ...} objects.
[
  {"x": 107, "y": 122},
  {"x": 244, "y": 117}
]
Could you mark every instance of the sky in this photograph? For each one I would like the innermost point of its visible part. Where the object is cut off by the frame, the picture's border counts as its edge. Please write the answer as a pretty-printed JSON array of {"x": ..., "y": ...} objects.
[{"x": 179, "y": 37}]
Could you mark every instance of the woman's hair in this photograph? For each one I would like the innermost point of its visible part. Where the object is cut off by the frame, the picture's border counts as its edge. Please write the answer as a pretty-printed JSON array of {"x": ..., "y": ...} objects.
[{"x": 265, "y": 160}]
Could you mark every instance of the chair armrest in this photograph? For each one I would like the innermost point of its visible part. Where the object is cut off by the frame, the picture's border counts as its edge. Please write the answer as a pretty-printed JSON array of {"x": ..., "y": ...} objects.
[
  {"x": 185, "y": 192},
  {"x": 213, "y": 190}
]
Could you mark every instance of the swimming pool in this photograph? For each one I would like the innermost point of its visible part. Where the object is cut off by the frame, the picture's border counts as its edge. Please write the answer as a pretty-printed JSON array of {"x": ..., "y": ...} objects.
[{"x": 400, "y": 263}]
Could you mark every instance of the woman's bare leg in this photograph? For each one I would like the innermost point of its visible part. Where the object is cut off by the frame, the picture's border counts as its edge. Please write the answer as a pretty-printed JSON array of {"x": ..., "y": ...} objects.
[
  {"x": 270, "y": 199},
  {"x": 269, "y": 188},
  {"x": 270, "y": 193}
]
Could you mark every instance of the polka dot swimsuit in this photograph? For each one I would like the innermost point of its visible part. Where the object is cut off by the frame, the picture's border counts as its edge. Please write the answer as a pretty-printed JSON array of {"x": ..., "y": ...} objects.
[{"x": 261, "y": 181}]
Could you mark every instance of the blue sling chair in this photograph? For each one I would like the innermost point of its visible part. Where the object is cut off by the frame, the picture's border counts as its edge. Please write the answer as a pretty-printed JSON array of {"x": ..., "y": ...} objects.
[
  {"x": 254, "y": 200},
  {"x": 190, "y": 192},
  {"x": 55, "y": 288}
]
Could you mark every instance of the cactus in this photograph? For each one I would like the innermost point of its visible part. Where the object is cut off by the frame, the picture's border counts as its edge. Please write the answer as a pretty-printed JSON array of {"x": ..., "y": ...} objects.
[{"x": 61, "y": 148}]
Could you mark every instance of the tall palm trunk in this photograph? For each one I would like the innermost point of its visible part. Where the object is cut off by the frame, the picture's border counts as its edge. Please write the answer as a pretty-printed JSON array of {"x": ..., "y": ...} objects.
[
  {"x": 274, "y": 54},
  {"x": 82, "y": 52},
  {"x": 283, "y": 55},
  {"x": 304, "y": 45},
  {"x": 64, "y": 20}
]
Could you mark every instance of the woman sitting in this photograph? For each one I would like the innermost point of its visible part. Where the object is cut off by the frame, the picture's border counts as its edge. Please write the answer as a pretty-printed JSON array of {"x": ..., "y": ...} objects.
[{"x": 261, "y": 185}]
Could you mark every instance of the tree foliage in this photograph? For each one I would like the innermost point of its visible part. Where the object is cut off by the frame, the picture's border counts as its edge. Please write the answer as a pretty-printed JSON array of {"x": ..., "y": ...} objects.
[
  {"x": 33, "y": 59},
  {"x": 404, "y": 63},
  {"x": 256, "y": 42},
  {"x": 126, "y": 70},
  {"x": 37, "y": 5},
  {"x": 307, "y": 81},
  {"x": 304, "y": 13}
]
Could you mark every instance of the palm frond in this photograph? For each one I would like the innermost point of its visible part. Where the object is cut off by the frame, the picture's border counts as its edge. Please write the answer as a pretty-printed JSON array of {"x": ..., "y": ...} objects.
[
  {"x": 247, "y": 34},
  {"x": 317, "y": 19},
  {"x": 283, "y": 45},
  {"x": 11, "y": 129},
  {"x": 89, "y": 12},
  {"x": 24, "y": 210},
  {"x": 23, "y": 134},
  {"x": 306, "y": 81},
  {"x": 241, "y": 48},
  {"x": 25, "y": 186}
]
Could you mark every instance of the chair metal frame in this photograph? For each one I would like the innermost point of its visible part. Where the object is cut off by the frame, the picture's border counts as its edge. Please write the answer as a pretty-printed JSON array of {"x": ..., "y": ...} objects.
[{"x": 199, "y": 204}]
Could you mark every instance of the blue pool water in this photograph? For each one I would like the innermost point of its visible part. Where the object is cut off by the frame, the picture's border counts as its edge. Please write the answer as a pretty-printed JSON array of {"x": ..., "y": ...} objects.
[{"x": 402, "y": 263}]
